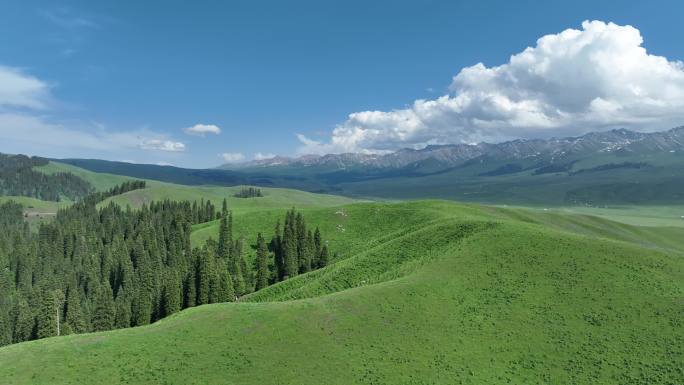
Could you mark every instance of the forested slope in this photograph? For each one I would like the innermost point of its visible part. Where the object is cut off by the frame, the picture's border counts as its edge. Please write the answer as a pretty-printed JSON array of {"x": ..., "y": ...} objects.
[{"x": 18, "y": 178}]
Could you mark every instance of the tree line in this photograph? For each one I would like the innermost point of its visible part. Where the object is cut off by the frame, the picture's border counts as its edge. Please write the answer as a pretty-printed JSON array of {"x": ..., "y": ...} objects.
[
  {"x": 93, "y": 269},
  {"x": 18, "y": 178},
  {"x": 130, "y": 185},
  {"x": 249, "y": 192}
]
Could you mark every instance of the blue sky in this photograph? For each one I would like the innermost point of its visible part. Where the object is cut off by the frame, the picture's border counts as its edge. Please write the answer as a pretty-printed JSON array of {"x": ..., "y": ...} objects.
[{"x": 122, "y": 80}]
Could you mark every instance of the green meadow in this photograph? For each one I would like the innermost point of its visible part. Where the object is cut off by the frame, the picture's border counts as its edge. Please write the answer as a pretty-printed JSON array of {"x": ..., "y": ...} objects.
[{"x": 425, "y": 292}]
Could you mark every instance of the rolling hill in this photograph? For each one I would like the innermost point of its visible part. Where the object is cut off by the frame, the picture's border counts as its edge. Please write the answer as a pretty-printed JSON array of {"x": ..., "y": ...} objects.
[{"x": 422, "y": 292}]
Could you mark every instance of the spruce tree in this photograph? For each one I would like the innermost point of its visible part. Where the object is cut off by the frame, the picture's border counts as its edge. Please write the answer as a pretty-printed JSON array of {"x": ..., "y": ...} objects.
[
  {"x": 105, "y": 311},
  {"x": 141, "y": 307},
  {"x": 262, "y": 272},
  {"x": 74, "y": 321},
  {"x": 290, "y": 246},
  {"x": 122, "y": 318},
  {"x": 224, "y": 242},
  {"x": 46, "y": 316},
  {"x": 23, "y": 321},
  {"x": 300, "y": 234},
  {"x": 203, "y": 277},
  {"x": 324, "y": 258},
  {"x": 5, "y": 329},
  {"x": 226, "y": 289},
  {"x": 276, "y": 247},
  {"x": 309, "y": 252},
  {"x": 216, "y": 291},
  {"x": 171, "y": 293},
  {"x": 235, "y": 269},
  {"x": 318, "y": 246},
  {"x": 190, "y": 288}
]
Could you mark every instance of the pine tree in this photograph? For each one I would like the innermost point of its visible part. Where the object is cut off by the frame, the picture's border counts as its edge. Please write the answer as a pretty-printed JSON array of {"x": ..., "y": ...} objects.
[
  {"x": 303, "y": 262},
  {"x": 141, "y": 307},
  {"x": 309, "y": 252},
  {"x": 323, "y": 260},
  {"x": 224, "y": 242},
  {"x": 235, "y": 269},
  {"x": 203, "y": 277},
  {"x": 247, "y": 275},
  {"x": 216, "y": 291},
  {"x": 290, "y": 246},
  {"x": 226, "y": 290},
  {"x": 276, "y": 247},
  {"x": 5, "y": 329},
  {"x": 262, "y": 272},
  {"x": 105, "y": 311},
  {"x": 74, "y": 321},
  {"x": 171, "y": 294},
  {"x": 190, "y": 288},
  {"x": 122, "y": 318},
  {"x": 46, "y": 316},
  {"x": 318, "y": 246},
  {"x": 23, "y": 321}
]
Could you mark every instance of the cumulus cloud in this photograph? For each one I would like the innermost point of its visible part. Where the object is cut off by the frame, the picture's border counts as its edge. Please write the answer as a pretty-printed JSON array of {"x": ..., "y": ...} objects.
[
  {"x": 202, "y": 129},
  {"x": 232, "y": 157},
  {"x": 19, "y": 90},
  {"x": 262, "y": 156},
  {"x": 598, "y": 77}
]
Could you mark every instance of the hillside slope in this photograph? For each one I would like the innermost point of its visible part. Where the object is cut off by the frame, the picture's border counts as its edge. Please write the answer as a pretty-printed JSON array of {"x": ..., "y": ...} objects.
[
  {"x": 273, "y": 197},
  {"x": 442, "y": 294},
  {"x": 100, "y": 181}
]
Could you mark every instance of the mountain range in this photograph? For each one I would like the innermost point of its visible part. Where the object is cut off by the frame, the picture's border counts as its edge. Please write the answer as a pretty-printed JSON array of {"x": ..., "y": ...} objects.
[
  {"x": 543, "y": 150},
  {"x": 612, "y": 167}
]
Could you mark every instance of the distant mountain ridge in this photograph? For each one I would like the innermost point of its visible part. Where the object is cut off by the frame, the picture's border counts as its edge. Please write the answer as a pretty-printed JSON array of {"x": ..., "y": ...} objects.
[
  {"x": 553, "y": 149},
  {"x": 612, "y": 167}
]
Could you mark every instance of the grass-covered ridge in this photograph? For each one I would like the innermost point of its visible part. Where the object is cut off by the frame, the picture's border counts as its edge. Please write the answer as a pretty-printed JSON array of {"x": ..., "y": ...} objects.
[
  {"x": 273, "y": 197},
  {"x": 99, "y": 181},
  {"x": 424, "y": 292}
]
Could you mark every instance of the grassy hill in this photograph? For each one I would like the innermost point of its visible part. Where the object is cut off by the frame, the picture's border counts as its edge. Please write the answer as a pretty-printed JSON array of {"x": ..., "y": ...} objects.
[
  {"x": 100, "y": 181},
  {"x": 426, "y": 292},
  {"x": 273, "y": 197}
]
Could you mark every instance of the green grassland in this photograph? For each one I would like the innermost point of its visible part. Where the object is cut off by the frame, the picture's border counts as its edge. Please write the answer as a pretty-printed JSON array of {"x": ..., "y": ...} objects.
[
  {"x": 634, "y": 215},
  {"x": 427, "y": 292},
  {"x": 273, "y": 197},
  {"x": 100, "y": 181},
  {"x": 36, "y": 210}
]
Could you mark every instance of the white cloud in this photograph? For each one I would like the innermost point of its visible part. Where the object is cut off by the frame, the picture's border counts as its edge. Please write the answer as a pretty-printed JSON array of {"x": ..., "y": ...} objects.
[
  {"x": 202, "y": 129},
  {"x": 22, "y": 132},
  {"x": 262, "y": 156},
  {"x": 596, "y": 78},
  {"x": 232, "y": 157},
  {"x": 19, "y": 90},
  {"x": 25, "y": 127},
  {"x": 161, "y": 145}
]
